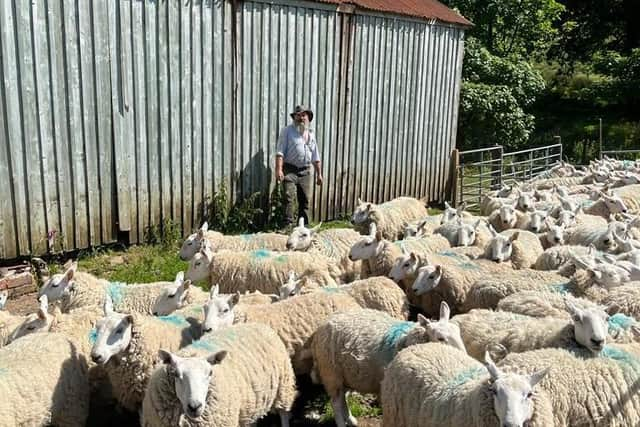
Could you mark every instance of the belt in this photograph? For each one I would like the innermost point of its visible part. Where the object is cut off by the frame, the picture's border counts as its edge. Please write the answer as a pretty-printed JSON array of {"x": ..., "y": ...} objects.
[{"x": 296, "y": 168}]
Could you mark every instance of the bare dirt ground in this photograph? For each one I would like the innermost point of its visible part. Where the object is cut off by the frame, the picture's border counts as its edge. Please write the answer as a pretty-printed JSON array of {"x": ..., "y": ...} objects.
[{"x": 24, "y": 304}]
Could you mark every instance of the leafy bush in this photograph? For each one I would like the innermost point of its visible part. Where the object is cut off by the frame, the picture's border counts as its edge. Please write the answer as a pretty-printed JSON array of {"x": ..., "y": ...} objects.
[{"x": 242, "y": 217}]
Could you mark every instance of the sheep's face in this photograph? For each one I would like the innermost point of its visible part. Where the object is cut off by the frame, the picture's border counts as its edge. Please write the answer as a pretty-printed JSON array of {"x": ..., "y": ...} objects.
[
  {"x": 450, "y": 214},
  {"x": 172, "y": 296},
  {"x": 113, "y": 336},
  {"x": 508, "y": 216},
  {"x": 58, "y": 285},
  {"x": 524, "y": 202},
  {"x": 218, "y": 312},
  {"x": 466, "y": 235},
  {"x": 4, "y": 296},
  {"x": 566, "y": 218},
  {"x": 505, "y": 191},
  {"x": 190, "y": 246},
  {"x": 590, "y": 326},
  {"x": 361, "y": 213},
  {"x": 606, "y": 241},
  {"x": 300, "y": 239},
  {"x": 555, "y": 234},
  {"x": 191, "y": 378},
  {"x": 428, "y": 279},
  {"x": 512, "y": 394},
  {"x": 291, "y": 287},
  {"x": 500, "y": 247},
  {"x": 36, "y": 322},
  {"x": 416, "y": 229},
  {"x": 404, "y": 266},
  {"x": 609, "y": 276},
  {"x": 366, "y": 248},
  {"x": 199, "y": 266},
  {"x": 615, "y": 204},
  {"x": 442, "y": 331},
  {"x": 536, "y": 221}
]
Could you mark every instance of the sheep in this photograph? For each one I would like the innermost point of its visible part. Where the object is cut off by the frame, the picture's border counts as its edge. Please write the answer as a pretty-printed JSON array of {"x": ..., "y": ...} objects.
[
  {"x": 220, "y": 242},
  {"x": 451, "y": 281},
  {"x": 432, "y": 385},
  {"x": 520, "y": 246},
  {"x": 462, "y": 234},
  {"x": 378, "y": 254},
  {"x": 505, "y": 218},
  {"x": 35, "y": 322},
  {"x": 125, "y": 346},
  {"x": 586, "y": 390},
  {"x": 601, "y": 238},
  {"x": 630, "y": 195},
  {"x": 533, "y": 221},
  {"x": 422, "y": 227},
  {"x": 605, "y": 206},
  {"x": 334, "y": 244},
  {"x": 260, "y": 270},
  {"x": 231, "y": 377},
  {"x": 511, "y": 332},
  {"x": 525, "y": 201},
  {"x": 44, "y": 382},
  {"x": 350, "y": 351},
  {"x": 450, "y": 214},
  {"x": 542, "y": 304},
  {"x": 557, "y": 256},
  {"x": 489, "y": 204},
  {"x": 390, "y": 217},
  {"x": 76, "y": 289}
]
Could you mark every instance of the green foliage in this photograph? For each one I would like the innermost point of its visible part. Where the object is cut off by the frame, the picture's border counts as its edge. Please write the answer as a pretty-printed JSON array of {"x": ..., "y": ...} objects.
[
  {"x": 241, "y": 217},
  {"x": 166, "y": 234},
  {"x": 360, "y": 406},
  {"x": 276, "y": 208}
]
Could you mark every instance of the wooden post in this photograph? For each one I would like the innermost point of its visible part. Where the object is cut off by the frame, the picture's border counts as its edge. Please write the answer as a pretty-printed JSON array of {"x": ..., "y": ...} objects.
[{"x": 452, "y": 191}]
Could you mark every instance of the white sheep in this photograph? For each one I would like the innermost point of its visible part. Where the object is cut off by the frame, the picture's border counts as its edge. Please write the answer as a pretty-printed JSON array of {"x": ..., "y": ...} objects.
[
  {"x": 126, "y": 345},
  {"x": 505, "y": 218},
  {"x": 44, "y": 382},
  {"x": 390, "y": 217},
  {"x": 521, "y": 247},
  {"x": 601, "y": 238},
  {"x": 606, "y": 206},
  {"x": 554, "y": 236},
  {"x": 76, "y": 289},
  {"x": 489, "y": 204},
  {"x": 260, "y": 270},
  {"x": 231, "y": 377},
  {"x": 542, "y": 303},
  {"x": 459, "y": 233},
  {"x": 533, "y": 221},
  {"x": 350, "y": 351},
  {"x": 220, "y": 242},
  {"x": 432, "y": 385},
  {"x": 334, "y": 244},
  {"x": 422, "y": 227},
  {"x": 450, "y": 214},
  {"x": 481, "y": 329},
  {"x": 630, "y": 195},
  {"x": 378, "y": 254}
]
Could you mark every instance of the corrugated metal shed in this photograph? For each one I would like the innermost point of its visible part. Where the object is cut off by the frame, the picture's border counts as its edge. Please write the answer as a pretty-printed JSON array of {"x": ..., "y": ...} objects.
[
  {"x": 427, "y": 9},
  {"x": 116, "y": 115}
]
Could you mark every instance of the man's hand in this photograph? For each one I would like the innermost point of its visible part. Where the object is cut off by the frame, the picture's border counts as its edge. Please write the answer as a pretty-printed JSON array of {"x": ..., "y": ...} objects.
[
  {"x": 279, "y": 175},
  {"x": 319, "y": 180}
]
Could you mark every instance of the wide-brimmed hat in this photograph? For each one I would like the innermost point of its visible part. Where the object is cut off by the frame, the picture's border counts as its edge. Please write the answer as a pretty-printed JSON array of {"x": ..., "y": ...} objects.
[{"x": 302, "y": 109}]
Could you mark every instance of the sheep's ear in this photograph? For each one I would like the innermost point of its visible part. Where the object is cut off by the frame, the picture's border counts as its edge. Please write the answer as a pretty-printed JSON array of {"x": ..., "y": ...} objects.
[
  {"x": 536, "y": 377},
  {"x": 234, "y": 299},
  {"x": 44, "y": 305},
  {"x": 477, "y": 224},
  {"x": 596, "y": 273},
  {"x": 68, "y": 275},
  {"x": 446, "y": 205},
  {"x": 298, "y": 287},
  {"x": 291, "y": 276},
  {"x": 107, "y": 306},
  {"x": 404, "y": 249},
  {"x": 413, "y": 256},
  {"x": 462, "y": 206},
  {"x": 179, "y": 278},
  {"x": 423, "y": 321},
  {"x": 205, "y": 227},
  {"x": 129, "y": 318},
  {"x": 378, "y": 236},
  {"x": 186, "y": 284},
  {"x": 491, "y": 366},
  {"x": 214, "y": 291},
  {"x": 635, "y": 330},
  {"x": 301, "y": 222},
  {"x": 444, "y": 311},
  {"x": 514, "y": 236},
  {"x": 360, "y": 201},
  {"x": 167, "y": 358},
  {"x": 369, "y": 206},
  {"x": 575, "y": 312},
  {"x": 373, "y": 228},
  {"x": 493, "y": 231},
  {"x": 218, "y": 357}
]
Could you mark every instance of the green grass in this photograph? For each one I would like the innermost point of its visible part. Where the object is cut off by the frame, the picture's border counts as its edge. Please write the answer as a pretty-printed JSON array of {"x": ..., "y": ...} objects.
[{"x": 361, "y": 406}]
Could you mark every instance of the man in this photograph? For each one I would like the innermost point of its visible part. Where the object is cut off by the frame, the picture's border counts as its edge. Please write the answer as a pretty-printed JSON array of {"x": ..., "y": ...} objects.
[{"x": 297, "y": 151}]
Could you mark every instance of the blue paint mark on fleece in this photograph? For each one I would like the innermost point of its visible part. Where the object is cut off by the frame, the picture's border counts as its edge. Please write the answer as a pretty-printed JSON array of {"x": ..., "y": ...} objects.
[
  {"x": 620, "y": 321},
  {"x": 453, "y": 255},
  {"x": 260, "y": 254},
  {"x": 3, "y": 371},
  {"x": 203, "y": 344},
  {"x": 463, "y": 261},
  {"x": 622, "y": 357},
  {"x": 93, "y": 336},
  {"x": 331, "y": 289},
  {"x": 116, "y": 291},
  {"x": 466, "y": 375},
  {"x": 246, "y": 237},
  {"x": 561, "y": 288},
  {"x": 174, "y": 320},
  {"x": 395, "y": 333}
]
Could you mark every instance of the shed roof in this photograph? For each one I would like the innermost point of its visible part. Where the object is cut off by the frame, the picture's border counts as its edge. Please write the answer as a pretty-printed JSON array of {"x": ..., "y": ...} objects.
[{"x": 428, "y": 9}]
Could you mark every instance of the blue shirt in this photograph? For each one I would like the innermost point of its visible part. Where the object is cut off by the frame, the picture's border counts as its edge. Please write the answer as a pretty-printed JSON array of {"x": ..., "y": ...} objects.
[{"x": 293, "y": 148}]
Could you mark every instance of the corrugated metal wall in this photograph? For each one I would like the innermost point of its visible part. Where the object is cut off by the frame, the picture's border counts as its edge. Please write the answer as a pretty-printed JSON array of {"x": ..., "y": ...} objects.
[{"x": 117, "y": 115}]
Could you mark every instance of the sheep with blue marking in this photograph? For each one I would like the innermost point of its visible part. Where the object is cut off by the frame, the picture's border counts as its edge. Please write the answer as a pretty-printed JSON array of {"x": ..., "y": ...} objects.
[
  {"x": 43, "y": 382},
  {"x": 221, "y": 242},
  {"x": 350, "y": 351},
  {"x": 333, "y": 244},
  {"x": 433, "y": 385},
  {"x": 521, "y": 247},
  {"x": 126, "y": 346},
  {"x": 228, "y": 378},
  {"x": 258, "y": 270},
  {"x": 75, "y": 289},
  {"x": 586, "y": 389},
  {"x": 389, "y": 217}
]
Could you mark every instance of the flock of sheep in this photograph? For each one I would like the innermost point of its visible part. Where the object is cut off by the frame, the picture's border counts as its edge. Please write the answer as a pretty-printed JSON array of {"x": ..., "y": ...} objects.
[{"x": 523, "y": 316}]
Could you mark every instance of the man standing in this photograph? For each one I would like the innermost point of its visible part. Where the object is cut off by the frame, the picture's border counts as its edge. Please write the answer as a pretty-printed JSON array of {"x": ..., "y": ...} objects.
[{"x": 297, "y": 151}]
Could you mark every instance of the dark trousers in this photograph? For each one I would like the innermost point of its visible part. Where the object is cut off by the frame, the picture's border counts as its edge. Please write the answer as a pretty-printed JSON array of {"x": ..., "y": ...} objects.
[{"x": 298, "y": 183}]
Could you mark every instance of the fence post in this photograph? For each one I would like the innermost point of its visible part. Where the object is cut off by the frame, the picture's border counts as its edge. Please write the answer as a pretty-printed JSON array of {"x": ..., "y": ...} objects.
[{"x": 453, "y": 185}]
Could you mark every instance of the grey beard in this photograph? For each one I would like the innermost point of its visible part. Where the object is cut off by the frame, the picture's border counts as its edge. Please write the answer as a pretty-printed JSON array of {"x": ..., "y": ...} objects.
[{"x": 301, "y": 127}]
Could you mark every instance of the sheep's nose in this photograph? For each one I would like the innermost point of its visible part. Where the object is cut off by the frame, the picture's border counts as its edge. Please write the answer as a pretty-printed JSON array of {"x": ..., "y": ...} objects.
[
  {"x": 597, "y": 343},
  {"x": 289, "y": 245},
  {"x": 96, "y": 358},
  {"x": 207, "y": 330},
  {"x": 606, "y": 241},
  {"x": 624, "y": 211},
  {"x": 155, "y": 313},
  {"x": 351, "y": 258},
  {"x": 535, "y": 229},
  {"x": 193, "y": 407},
  {"x": 557, "y": 239}
]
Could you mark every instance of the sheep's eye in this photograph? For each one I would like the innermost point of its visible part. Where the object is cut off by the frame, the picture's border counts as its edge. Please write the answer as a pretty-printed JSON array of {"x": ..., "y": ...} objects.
[
  {"x": 529, "y": 395},
  {"x": 432, "y": 276},
  {"x": 189, "y": 243},
  {"x": 119, "y": 331},
  {"x": 441, "y": 339},
  {"x": 226, "y": 310},
  {"x": 55, "y": 285},
  {"x": 198, "y": 264},
  {"x": 31, "y": 327},
  {"x": 292, "y": 293},
  {"x": 368, "y": 244},
  {"x": 171, "y": 296},
  {"x": 508, "y": 244},
  {"x": 407, "y": 264}
]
